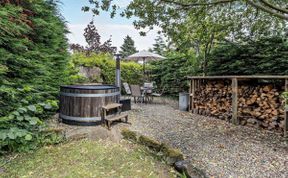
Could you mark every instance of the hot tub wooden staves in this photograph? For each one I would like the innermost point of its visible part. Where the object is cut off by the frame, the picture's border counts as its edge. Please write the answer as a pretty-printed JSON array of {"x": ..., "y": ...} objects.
[{"x": 81, "y": 104}]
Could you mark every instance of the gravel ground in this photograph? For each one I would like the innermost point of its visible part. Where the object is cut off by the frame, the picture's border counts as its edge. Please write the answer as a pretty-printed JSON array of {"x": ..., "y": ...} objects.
[{"x": 218, "y": 148}]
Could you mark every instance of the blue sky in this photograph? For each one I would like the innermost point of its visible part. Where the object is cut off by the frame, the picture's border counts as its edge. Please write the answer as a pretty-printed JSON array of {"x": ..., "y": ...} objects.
[{"x": 117, "y": 27}]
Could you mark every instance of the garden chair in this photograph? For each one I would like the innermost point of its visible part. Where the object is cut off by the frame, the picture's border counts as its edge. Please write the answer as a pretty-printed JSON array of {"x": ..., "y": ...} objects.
[
  {"x": 127, "y": 89},
  {"x": 148, "y": 89},
  {"x": 158, "y": 94},
  {"x": 136, "y": 93},
  {"x": 148, "y": 85}
]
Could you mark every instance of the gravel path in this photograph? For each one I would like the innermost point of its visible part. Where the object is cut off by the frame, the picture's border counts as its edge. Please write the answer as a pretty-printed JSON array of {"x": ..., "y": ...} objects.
[{"x": 218, "y": 148}]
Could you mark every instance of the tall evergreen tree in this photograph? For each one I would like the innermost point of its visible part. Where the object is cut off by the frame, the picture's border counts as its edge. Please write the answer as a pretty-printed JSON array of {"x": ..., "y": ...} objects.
[
  {"x": 34, "y": 56},
  {"x": 128, "y": 47},
  {"x": 159, "y": 46}
]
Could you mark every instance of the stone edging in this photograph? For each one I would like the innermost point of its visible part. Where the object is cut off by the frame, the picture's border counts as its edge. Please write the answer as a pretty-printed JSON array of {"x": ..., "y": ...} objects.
[{"x": 171, "y": 156}]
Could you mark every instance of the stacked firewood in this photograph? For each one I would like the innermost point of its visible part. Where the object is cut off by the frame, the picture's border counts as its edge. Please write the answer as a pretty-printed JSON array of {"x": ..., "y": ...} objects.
[{"x": 259, "y": 105}]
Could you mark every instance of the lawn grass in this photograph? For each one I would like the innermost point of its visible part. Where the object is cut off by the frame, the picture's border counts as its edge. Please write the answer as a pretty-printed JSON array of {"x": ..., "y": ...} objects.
[{"x": 86, "y": 158}]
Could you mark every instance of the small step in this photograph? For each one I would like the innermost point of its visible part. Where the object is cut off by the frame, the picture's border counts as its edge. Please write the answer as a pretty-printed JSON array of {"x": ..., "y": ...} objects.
[
  {"x": 112, "y": 106},
  {"x": 116, "y": 117}
]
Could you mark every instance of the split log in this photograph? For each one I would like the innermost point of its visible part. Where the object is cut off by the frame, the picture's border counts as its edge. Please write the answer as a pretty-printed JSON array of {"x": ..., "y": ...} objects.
[{"x": 259, "y": 105}]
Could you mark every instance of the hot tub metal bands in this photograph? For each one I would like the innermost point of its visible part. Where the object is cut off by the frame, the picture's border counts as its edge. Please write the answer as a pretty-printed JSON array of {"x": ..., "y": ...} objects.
[{"x": 89, "y": 95}]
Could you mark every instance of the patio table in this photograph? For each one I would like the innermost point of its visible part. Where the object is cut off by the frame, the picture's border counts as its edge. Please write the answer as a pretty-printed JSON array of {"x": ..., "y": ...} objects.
[{"x": 147, "y": 91}]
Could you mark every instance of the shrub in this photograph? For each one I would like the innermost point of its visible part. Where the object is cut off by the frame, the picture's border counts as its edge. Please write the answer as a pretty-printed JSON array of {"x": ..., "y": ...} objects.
[
  {"x": 33, "y": 50},
  {"x": 131, "y": 72},
  {"x": 267, "y": 55},
  {"x": 171, "y": 74}
]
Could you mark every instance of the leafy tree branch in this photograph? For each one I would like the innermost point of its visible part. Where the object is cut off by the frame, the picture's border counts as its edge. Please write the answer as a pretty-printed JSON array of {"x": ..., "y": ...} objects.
[
  {"x": 270, "y": 8},
  {"x": 263, "y": 5},
  {"x": 198, "y": 3}
]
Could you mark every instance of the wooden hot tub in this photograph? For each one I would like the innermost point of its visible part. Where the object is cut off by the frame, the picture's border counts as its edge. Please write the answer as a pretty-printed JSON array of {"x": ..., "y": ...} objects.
[{"x": 81, "y": 104}]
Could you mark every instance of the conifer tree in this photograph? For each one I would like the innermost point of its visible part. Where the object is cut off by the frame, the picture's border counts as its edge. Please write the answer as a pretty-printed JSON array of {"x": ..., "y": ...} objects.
[
  {"x": 159, "y": 46},
  {"x": 128, "y": 47},
  {"x": 34, "y": 56}
]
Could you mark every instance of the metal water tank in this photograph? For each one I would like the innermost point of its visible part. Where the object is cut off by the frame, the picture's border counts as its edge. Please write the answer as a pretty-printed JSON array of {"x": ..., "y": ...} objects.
[{"x": 183, "y": 101}]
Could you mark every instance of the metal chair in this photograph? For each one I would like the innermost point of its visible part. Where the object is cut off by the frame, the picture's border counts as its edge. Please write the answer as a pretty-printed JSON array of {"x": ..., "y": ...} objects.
[
  {"x": 158, "y": 94},
  {"x": 136, "y": 93},
  {"x": 148, "y": 85},
  {"x": 127, "y": 89},
  {"x": 148, "y": 89}
]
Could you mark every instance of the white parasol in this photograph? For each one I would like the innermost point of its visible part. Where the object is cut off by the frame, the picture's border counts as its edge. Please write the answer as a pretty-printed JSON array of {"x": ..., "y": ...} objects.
[{"x": 145, "y": 56}]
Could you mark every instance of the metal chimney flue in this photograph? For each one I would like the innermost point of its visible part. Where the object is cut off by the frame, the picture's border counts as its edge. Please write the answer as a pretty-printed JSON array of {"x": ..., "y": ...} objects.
[{"x": 118, "y": 72}]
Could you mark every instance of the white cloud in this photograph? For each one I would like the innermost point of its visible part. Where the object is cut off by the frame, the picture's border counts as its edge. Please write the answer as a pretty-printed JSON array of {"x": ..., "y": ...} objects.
[
  {"x": 117, "y": 33},
  {"x": 123, "y": 3}
]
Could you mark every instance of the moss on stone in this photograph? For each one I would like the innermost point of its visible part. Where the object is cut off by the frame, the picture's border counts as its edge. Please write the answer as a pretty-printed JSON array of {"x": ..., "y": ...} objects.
[
  {"x": 150, "y": 143},
  {"x": 164, "y": 147},
  {"x": 129, "y": 135},
  {"x": 169, "y": 154},
  {"x": 173, "y": 155}
]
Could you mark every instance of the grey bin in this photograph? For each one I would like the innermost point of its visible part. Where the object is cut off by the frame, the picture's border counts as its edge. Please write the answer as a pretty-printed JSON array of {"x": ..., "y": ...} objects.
[{"x": 183, "y": 101}]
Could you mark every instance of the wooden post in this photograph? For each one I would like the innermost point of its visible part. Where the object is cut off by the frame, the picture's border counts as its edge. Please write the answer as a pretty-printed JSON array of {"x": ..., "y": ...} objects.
[
  {"x": 192, "y": 94},
  {"x": 234, "y": 100},
  {"x": 190, "y": 91},
  {"x": 286, "y": 113}
]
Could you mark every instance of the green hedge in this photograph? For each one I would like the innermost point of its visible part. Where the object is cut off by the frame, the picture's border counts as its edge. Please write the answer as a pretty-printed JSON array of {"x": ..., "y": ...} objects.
[
  {"x": 171, "y": 74},
  {"x": 33, "y": 50},
  {"x": 131, "y": 72},
  {"x": 264, "y": 56}
]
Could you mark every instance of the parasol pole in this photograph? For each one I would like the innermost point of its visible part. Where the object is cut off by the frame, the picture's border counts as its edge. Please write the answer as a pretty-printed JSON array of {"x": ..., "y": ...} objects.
[{"x": 144, "y": 65}]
